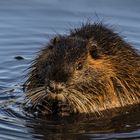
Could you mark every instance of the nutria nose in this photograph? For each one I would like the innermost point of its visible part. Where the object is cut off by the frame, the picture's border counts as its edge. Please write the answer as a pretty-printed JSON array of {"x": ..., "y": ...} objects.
[{"x": 55, "y": 87}]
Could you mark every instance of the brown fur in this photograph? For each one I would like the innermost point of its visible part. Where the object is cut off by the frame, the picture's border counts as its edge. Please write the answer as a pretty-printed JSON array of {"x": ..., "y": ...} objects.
[{"x": 88, "y": 71}]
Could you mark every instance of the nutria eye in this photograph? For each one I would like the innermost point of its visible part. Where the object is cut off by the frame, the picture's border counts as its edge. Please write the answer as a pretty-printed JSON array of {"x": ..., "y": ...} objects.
[{"x": 79, "y": 66}]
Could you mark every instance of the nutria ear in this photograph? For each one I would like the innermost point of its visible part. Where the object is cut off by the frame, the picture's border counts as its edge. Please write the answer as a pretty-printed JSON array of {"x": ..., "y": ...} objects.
[
  {"x": 55, "y": 40},
  {"x": 93, "y": 49}
]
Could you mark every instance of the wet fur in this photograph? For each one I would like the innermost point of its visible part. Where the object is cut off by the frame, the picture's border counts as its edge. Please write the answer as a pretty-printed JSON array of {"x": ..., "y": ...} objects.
[{"x": 109, "y": 77}]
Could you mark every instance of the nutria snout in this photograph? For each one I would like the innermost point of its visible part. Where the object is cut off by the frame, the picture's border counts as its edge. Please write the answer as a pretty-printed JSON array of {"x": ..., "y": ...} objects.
[{"x": 87, "y": 71}]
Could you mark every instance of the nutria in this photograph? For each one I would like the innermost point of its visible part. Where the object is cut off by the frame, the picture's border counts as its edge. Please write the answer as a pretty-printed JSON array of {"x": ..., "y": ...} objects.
[{"x": 90, "y": 70}]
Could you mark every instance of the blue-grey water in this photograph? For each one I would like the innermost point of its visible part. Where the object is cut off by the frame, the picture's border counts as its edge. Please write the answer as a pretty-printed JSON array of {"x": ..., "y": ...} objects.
[{"x": 25, "y": 27}]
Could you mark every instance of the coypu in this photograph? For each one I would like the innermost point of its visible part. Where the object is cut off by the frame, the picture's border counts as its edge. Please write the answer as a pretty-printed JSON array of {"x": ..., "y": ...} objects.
[{"x": 90, "y": 70}]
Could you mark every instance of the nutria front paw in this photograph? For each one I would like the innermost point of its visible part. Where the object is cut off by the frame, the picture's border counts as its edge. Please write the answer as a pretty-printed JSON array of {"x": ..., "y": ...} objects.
[{"x": 63, "y": 109}]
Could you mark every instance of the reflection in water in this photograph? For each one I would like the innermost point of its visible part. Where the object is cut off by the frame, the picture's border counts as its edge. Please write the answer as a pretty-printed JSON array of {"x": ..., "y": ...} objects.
[
  {"x": 85, "y": 129},
  {"x": 25, "y": 26}
]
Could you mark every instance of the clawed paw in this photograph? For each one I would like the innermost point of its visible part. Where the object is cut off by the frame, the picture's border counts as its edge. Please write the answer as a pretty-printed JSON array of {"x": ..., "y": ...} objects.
[{"x": 63, "y": 109}]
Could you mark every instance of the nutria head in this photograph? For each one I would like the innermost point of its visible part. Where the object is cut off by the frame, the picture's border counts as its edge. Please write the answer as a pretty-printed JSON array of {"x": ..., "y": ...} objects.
[{"x": 88, "y": 71}]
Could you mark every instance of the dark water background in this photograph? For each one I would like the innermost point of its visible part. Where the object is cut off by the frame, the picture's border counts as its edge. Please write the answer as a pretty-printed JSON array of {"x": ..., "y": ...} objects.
[{"x": 26, "y": 26}]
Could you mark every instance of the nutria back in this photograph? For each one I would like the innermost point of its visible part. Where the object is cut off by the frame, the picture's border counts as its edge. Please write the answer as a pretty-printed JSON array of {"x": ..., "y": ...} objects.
[{"x": 90, "y": 70}]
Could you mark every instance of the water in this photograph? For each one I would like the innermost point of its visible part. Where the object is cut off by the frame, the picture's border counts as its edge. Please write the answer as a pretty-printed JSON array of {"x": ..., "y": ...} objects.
[{"x": 25, "y": 27}]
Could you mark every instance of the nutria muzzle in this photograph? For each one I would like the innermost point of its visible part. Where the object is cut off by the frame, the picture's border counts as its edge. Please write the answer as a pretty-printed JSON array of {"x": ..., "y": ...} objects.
[{"x": 47, "y": 101}]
